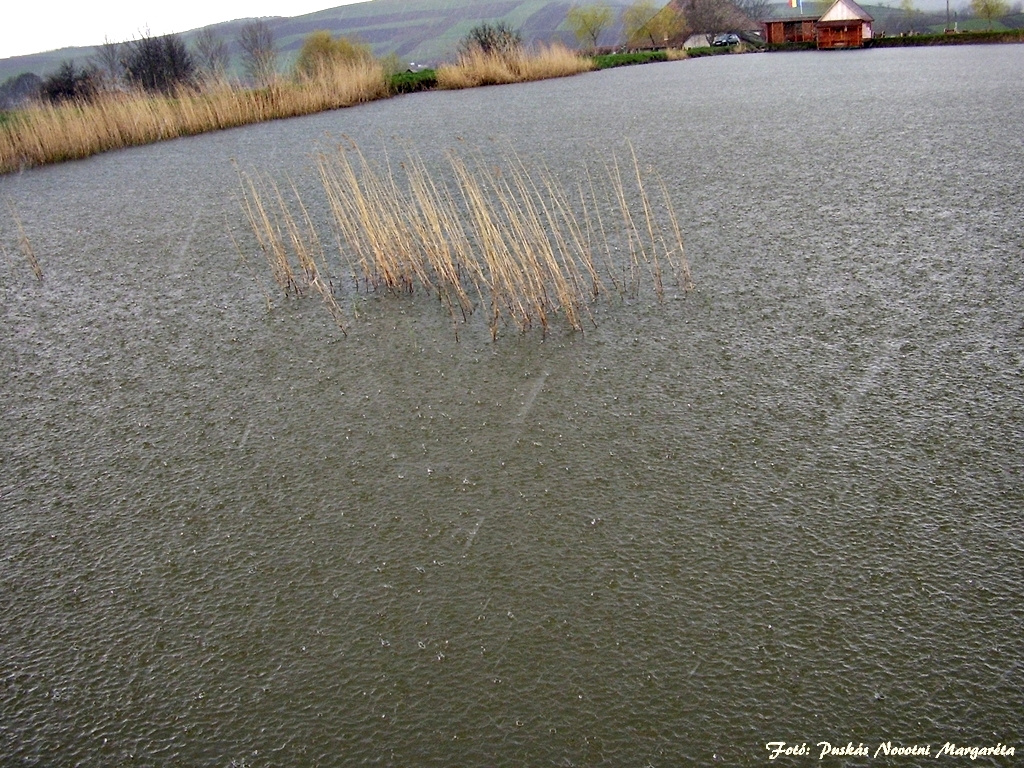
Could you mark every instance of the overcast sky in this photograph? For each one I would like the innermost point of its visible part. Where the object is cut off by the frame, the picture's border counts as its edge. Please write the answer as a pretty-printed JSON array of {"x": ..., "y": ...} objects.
[{"x": 33, "y": 26}]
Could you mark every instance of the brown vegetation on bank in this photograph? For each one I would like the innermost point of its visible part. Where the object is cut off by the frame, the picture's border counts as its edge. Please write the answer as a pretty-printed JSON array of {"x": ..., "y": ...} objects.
[
  {"x": 50, "y": 133},
  {"x": 476, "y": 67}
]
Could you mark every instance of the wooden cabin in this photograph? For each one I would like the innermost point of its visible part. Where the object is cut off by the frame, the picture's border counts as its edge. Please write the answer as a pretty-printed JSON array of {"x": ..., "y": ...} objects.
[
  {"x": 844, "y": 25},
  {"x": 795, "y": 30}
]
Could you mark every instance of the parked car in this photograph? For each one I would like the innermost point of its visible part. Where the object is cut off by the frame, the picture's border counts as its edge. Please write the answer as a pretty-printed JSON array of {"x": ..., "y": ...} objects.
[{"x": 726, "y": 39}]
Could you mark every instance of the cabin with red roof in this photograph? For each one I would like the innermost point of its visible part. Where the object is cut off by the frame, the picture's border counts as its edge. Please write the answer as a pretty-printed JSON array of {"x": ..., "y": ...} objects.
[{"x": 844, "y": 25}]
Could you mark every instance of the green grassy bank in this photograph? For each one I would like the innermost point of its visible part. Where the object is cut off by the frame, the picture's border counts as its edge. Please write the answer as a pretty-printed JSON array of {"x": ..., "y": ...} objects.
[{"x": 959, "y": 38}]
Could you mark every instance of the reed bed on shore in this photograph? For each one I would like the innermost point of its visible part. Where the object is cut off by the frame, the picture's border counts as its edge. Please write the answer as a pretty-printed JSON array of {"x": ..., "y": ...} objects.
[
  {"x": 515, "y": 243},
  {"x": 49, "y": 133},
  {"x": 476, "y": 67}
]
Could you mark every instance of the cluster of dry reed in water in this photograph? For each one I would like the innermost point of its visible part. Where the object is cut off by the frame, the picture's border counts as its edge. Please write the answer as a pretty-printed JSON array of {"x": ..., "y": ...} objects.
[
  {"x": 517, "y": 245},
  {"x": 52, "y": 133}
]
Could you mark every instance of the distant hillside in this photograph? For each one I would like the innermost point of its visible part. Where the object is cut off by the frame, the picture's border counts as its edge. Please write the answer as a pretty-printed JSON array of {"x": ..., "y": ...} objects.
[
  {"x": 428, "y": 31},
  {"x": 424, "y": 31}
]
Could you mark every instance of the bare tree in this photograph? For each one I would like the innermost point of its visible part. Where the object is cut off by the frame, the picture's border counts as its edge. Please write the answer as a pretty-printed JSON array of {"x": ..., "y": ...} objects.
[
  {"x": 109, "y": 59},
  {"x": 19, "y": 90},
  {"x": 259, "y": 54},
  {"x": 159, "y": 63},
  {"x": 709, "y": 17},
  {"x": 990, "y": 10},
  {"x": 755, "y": 10},
  {"x": 587, "y": 22},
  {"x": 321, "y": 54},
  {"x": 647, "y": 25},
  {"x": 69, "y": 83},
  {"x": 211, "y": 54},
  {"x": 497, "y": 38}
]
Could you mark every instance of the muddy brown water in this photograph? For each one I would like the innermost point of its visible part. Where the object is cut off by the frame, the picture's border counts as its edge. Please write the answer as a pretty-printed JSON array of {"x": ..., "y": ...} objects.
[{"x": 786, "y": 506}]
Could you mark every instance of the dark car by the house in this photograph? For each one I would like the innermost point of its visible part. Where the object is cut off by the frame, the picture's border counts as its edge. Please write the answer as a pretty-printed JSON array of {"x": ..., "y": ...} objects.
[{"x": 726, "y": 39}]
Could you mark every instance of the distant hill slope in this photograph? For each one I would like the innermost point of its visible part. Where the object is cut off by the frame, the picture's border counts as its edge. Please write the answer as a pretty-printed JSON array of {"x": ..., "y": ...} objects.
[
  {"x": 428, "y": 31},
  {"x": 425, "y": 31}
]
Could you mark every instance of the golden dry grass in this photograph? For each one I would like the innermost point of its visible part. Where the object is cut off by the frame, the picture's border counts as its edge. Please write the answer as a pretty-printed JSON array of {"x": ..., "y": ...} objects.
[
  {"x": 53, "y": 133},
  {"x": 477, "y": 68},
  {"x": 50, "y": 133},
  {"x": 509, "y": 241}
]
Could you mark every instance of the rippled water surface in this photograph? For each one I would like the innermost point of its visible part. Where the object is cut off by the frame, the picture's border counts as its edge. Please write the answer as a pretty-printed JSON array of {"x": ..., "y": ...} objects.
[{"x": 784, "y": 506}]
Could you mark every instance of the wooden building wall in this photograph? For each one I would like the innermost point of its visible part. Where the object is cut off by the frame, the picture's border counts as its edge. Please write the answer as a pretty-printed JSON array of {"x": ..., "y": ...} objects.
[
  {"x": 848, "y": 34},
  {"x": 791, "y": 31}
]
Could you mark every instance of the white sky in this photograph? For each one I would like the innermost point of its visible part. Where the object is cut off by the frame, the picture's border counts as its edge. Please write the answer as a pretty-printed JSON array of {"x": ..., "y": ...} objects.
[{"x": 34, "y": 26}]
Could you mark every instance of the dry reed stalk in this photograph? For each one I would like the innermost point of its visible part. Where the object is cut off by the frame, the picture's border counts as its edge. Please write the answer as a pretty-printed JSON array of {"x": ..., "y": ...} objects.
[
  {"x": 489, "y": 244},
  {"x": 345, "y": 229},
  {"x": 619, "y": 191},
  {"x": 441, "y": 235},
  {"x": 546, "y": 280},
  {"x": 23, "y": 243},
  {"x": 680, "y": 264},
  {"x": 301, "y": 246},
  {"x": 583, "y": 241},
  {"x": 378, "y": 219},
  {"x": 547, "y": 247},
  {"x": 525, "y": 285},
  {"x": 601, "y": 232},
  {"x": 248, "y": 264},
  {"x": 406, "y": 243},
  {"x": 276, "y": 227},
  {"x": 564, "y": 228},
  {"x": 268, "y": 233},
  {"x": 652, "y": 261},
  {"x": 310, "y": 248},
  {"x": 555, "y": 60},
  {"x": 475, "y": 69},
  {"x": 352, "y": 215},
  {"x": 528, "y": 252}
]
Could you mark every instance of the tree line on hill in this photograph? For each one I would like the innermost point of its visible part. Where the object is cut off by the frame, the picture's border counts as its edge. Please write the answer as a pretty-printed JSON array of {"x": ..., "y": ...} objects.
[{"x": 156, "y": 64}]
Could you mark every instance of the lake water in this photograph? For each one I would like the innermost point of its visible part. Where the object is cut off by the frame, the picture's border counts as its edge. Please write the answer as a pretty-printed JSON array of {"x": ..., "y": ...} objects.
[{"x": 786, "y": 506}]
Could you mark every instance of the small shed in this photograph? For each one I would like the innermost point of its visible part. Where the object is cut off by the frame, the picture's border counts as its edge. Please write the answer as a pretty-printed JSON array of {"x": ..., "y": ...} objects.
[
  {"x": 796, "y": 29},
  {"x": 844, "y": 25}
]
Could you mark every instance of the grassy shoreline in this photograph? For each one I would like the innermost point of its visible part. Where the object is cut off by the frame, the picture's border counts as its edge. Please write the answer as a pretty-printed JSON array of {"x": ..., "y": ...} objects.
[
  {"x": 959, "y": 38},
  {"x": 477, "y": 68},
  {"x": 44, "y": 134}
]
